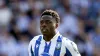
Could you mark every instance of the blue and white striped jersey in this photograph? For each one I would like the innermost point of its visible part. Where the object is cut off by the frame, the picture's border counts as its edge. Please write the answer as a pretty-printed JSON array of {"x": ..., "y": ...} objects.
[{"x": 58, "y": 46}]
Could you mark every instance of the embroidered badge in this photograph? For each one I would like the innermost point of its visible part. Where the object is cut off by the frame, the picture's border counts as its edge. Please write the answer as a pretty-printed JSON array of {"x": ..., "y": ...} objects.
[
  {"x": 58, "y": 46},
  {"x": 37, "y": 46}
]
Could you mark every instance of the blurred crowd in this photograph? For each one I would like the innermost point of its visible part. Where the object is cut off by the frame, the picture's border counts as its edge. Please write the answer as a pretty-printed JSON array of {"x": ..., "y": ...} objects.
[{"x": 19, "y": 23}]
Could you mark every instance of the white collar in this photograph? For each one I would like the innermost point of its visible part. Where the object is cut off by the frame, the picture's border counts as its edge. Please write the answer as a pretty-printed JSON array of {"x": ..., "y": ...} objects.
[{"x": 56, "y": 36}]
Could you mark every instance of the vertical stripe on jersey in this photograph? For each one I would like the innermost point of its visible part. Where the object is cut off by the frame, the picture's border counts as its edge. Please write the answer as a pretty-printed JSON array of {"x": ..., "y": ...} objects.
[
  {"x": 37, "y": 45},
  {"x": 58, "y": 46},
  {"x": 47, "y": 47},
  {"x": 68, "y": 53},
  {"x": 52, "y": 47},
  {"x": 32, "y": 54}
]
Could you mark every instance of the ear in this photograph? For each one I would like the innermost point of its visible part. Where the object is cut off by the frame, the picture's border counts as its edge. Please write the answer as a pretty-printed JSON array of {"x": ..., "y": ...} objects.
[{"x": 57, "y": 25}]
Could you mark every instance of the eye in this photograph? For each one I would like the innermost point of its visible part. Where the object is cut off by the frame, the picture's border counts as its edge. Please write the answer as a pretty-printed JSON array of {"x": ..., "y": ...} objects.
[
  {"x": 41, "y": 22},
  {"x": 45, "y": 21},
  {"x": 48, "y": 21}
]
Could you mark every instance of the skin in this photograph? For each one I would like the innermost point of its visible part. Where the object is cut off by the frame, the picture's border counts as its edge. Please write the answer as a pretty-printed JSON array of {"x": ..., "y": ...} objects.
[{"x": 47, "y": 26}]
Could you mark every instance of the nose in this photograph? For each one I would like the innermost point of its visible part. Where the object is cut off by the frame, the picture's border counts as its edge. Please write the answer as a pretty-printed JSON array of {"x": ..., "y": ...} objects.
[{"x": 43, "y": 24}]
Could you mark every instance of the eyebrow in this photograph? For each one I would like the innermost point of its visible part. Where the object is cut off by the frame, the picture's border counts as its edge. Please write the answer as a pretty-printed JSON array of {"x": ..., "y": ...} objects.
[{"x": 48, "y": 16}]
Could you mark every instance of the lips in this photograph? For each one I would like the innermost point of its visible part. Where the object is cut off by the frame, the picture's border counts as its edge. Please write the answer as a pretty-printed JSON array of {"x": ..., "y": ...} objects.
[{"x": 44, "y": 30}]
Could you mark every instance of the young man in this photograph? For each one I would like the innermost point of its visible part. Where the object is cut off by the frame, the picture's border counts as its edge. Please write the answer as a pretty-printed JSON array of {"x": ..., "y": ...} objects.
[{"x": 51, "y": 43}]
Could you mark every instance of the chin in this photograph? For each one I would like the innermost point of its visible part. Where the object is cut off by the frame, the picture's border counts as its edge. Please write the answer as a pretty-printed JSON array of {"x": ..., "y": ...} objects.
[{"x": 45, "y": 33}]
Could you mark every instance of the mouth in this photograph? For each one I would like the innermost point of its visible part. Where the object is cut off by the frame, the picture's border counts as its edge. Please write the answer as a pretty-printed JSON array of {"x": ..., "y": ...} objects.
[{"x": 44, "y": 30}]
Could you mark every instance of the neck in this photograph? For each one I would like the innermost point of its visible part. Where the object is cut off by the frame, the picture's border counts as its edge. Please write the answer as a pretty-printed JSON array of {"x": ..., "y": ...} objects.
[{"x": 49, "y": 36}]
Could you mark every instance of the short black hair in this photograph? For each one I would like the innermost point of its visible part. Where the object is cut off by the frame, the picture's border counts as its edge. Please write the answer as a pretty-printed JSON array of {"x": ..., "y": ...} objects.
[{"x": 53, "y": 14}]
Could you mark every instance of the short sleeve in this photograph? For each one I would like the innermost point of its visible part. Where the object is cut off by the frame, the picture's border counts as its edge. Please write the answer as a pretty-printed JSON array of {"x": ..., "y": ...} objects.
[
  {"x": 32, "y": 44},
  {"x": 71, "y": 49},
  {"x": 29, "y": 49}
]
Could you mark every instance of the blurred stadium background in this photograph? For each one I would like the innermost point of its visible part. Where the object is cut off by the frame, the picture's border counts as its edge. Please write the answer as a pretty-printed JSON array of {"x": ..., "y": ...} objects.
[{"x": 19, "y": 23}]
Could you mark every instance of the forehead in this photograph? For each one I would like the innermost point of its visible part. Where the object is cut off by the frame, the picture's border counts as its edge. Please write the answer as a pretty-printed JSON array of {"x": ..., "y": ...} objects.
[{"x": 47, "y": 17}]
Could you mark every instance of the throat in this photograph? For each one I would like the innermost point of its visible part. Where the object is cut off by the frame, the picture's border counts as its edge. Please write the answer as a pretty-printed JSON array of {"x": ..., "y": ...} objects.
[{"x": 48, "y": 38}]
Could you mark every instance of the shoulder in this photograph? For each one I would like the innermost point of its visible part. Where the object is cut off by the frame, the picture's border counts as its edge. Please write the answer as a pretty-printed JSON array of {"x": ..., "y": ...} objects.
[
  {"x": 71, "y": 46},
  {"x": 32, "y": 42},
  {"x": 34, "y": 38},
  {"x": 68, "y": 43}
]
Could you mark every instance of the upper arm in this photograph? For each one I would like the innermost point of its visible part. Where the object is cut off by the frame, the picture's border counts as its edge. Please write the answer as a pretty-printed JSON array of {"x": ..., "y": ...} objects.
[
  {"x": 71, "y": 49},
  {"x": 31, "y": 45},
  {"x": 29, "y": 49}
]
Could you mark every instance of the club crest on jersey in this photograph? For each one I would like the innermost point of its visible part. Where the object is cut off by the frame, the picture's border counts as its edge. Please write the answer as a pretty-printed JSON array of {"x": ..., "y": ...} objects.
[
  {"x": 37, "y": 46},
  {"x": 58, "y": 46}
]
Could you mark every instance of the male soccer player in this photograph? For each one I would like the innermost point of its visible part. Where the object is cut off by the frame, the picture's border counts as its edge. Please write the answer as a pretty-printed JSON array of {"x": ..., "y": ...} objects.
[{"x": 51, "y": 43}]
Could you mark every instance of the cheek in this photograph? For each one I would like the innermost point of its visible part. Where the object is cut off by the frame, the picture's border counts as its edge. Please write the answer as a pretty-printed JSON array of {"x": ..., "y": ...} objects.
[{"x": 53, "y": 27}]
